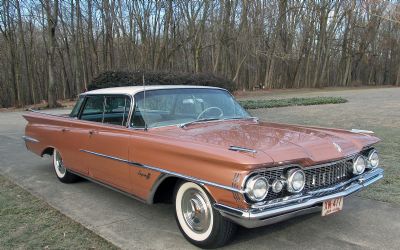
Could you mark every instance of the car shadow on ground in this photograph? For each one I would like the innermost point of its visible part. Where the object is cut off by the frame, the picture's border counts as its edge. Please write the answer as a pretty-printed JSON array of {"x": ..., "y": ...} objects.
[{"x": 250, "y": 234}]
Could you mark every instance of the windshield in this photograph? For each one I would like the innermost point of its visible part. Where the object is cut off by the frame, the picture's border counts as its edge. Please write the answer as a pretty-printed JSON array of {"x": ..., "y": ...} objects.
[{"x": 178, "y": 106}]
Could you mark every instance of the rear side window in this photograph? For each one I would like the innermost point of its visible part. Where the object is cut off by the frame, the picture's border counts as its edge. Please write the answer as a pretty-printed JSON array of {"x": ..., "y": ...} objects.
[
  {"x": 77, "y": 107},
  {"x": 107, "y": 109},
  {"x": 116, "y": 110},
  {"x": 93, "y": 110}
]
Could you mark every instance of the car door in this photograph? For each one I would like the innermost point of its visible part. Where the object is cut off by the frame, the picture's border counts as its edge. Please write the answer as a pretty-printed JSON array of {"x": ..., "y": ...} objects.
[
  {"x": 108, "y": 143},
  {"x": 74, "y": 137}
]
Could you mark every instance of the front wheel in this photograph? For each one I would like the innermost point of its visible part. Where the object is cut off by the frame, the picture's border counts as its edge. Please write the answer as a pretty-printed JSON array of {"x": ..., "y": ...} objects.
[
  {"x": 62, "y": 173},
  {"x": 198, "y": 221}
]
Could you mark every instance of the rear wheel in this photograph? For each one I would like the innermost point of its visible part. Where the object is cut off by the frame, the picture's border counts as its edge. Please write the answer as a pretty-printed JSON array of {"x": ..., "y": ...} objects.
[
  {"x": 62, "y": 173},
  {"x": 198, "y": 221}
]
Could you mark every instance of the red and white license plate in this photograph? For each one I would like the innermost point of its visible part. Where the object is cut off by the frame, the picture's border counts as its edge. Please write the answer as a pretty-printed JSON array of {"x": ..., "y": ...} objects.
[{"x": 332, "y": 206}]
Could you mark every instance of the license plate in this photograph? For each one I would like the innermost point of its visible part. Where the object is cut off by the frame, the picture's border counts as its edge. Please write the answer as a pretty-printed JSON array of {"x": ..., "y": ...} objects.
[{"x": 332, "y": 206}]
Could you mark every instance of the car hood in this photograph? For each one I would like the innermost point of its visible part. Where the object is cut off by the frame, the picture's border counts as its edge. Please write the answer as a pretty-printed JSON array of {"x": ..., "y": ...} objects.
[{"x": 281, "y": 142}]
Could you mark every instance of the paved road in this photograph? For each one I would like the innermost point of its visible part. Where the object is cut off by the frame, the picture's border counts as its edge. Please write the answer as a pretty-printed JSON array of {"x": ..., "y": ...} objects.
[{"x": 130, "y": 224}]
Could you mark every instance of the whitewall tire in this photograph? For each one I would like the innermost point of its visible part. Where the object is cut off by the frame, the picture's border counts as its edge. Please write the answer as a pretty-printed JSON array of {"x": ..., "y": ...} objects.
[
  {"x": 61, "y": 171},
  {"x": 198, "y": 221}
]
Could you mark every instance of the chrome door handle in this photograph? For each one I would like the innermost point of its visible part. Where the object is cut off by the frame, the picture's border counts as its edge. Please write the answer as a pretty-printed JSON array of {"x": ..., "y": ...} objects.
[
  {"x": 91, "y": 132},
  {"x": 64, "y": 130}
]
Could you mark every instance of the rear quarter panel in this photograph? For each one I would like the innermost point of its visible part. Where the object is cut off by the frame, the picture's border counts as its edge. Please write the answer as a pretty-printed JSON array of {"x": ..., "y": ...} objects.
[{"x": 44, "y": 128}]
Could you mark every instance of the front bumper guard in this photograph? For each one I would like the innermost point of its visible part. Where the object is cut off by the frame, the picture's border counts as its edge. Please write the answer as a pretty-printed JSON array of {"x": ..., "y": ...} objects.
[{"x": 285, "y": 208}]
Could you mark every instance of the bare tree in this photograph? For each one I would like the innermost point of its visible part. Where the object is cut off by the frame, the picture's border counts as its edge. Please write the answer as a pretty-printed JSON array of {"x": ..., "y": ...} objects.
[
  {"x": 51, "y": 10},
  {"x": 257, "y": 44}
]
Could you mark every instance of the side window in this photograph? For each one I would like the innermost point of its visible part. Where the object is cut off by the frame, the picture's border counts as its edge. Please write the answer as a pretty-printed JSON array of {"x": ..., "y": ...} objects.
[
  {"x": 77, "y": 107},
  {"x": 93, "y": 110},
  {"x": 107, "y": 109},
  {"x": 116, "y": 110}
]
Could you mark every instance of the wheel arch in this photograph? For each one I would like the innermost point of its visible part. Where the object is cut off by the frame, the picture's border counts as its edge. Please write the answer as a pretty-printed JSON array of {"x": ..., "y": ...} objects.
[
  {"x": 164, "y": 187},
  {"x": 47, "y": 151}
]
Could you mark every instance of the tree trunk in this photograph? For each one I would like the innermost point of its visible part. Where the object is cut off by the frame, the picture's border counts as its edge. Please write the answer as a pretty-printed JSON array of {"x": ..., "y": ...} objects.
[{"x": 52, "y": 18}]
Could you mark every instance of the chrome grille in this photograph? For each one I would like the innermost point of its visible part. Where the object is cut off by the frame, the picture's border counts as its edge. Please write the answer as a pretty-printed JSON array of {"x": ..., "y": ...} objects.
[
  {"x": 327, "y": 175},
  {"x": 317, "y": 177}
]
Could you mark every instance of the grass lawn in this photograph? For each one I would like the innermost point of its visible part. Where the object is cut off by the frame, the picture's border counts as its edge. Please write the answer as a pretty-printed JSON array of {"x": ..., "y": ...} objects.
[
  {"x": 275, "y": 103},
  {"x": 387, "y": 189},
  {"x": 371, "y": 109},
  {"x": 27, "y": 222}
]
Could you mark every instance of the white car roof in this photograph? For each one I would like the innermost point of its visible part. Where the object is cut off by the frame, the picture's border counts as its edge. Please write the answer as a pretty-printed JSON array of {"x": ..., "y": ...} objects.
[{"x": 132, "y": 90}]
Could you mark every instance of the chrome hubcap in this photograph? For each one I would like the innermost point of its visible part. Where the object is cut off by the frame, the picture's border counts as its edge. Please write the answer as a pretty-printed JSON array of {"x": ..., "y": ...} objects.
[
  {"x": 59, "y": 164},
  {"x": 196, "y": 211}
]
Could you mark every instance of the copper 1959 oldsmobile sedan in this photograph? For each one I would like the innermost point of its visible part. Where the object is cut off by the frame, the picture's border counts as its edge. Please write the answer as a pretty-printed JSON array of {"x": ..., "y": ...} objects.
[{"x": 199, "y": 149}]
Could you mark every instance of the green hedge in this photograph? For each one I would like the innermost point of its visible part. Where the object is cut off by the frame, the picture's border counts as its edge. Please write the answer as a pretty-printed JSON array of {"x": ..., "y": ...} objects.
[{"x": 274, "y": 103}]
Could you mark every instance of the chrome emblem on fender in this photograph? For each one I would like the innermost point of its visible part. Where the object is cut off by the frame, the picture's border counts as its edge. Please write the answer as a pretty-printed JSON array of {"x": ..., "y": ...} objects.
[{"x": 337, "y": 147}]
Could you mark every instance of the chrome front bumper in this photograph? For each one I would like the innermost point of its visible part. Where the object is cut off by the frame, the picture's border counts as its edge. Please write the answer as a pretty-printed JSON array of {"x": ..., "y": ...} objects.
[{"x": 288, "y": 207}]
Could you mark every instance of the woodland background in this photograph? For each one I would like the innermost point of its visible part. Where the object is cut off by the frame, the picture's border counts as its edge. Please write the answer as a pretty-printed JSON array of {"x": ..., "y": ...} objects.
[{"x": 52, "y": 49}]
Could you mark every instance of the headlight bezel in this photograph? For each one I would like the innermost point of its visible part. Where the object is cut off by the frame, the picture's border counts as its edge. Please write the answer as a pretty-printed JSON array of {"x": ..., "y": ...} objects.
[
  {"x": 370, "y": 154},
  {"x": 354, "y": 168},
  {"x": 250, "y": 187},
  {"x": 289, "y": 180},
  {"x": 275, "y": 184}
]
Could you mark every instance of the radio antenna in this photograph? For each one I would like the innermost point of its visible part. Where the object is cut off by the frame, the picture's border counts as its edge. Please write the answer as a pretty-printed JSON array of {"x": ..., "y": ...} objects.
[{"x": 144, "y": 103}]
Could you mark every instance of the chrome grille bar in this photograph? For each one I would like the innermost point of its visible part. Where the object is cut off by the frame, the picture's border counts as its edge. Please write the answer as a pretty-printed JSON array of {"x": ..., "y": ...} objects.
[{"x": 317, "y": 177}]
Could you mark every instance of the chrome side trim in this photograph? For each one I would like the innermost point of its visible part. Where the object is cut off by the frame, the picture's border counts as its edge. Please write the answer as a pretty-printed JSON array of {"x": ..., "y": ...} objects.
[
  {"x": 29, "y": 139},
  {"x": 241, "y": 149},
  {"x": 255, "y": 217},
  {"x": 164, "y": 171}
]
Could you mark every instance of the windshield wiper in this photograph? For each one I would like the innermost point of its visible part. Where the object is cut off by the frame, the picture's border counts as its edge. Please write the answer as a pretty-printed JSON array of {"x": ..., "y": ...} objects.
[
  {"x": 182, "y": 125},
  {"x": 242, "y": 118}
]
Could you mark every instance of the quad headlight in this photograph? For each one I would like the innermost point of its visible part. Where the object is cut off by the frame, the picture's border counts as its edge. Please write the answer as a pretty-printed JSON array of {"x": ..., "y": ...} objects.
[
  {"x": 359, "y": 165},
  {"x": 257, "y": 188},
  {"x": 296, "y": 179},
  {"x": 373, "y": 159},
  {"x": 277, "y": 185}
]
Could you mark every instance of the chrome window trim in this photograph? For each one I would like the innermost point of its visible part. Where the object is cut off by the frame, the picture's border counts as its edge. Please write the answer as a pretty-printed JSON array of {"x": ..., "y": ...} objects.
[
  {"x": 104, "y": 96},
  {"x": 164, "y": 171}
]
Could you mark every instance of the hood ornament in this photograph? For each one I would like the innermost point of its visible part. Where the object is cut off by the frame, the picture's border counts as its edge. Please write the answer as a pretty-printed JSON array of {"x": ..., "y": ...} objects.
[{"x": 339, "y": 149}]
